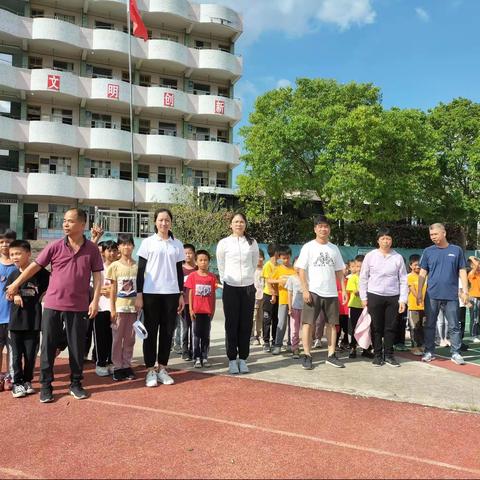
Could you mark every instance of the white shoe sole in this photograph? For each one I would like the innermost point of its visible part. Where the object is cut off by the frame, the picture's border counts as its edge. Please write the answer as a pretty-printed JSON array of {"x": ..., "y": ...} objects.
[{"x": 458, "y": 362}]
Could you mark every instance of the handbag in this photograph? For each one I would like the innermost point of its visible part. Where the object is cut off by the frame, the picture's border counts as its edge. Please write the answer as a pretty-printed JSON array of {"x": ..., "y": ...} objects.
[
  {"x": 362, "y": 330},
  {"x": 139, "y": 327}
]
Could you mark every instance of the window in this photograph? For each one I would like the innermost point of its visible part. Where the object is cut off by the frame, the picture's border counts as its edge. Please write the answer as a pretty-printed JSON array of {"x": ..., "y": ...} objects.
[
  {"x": 201, "y": 89},
  {"x": 125, "y": 171},
  {"x": 62, "y": 66},
  {"x": 33, "y": 113},
  {"x": 125, "y": 125},
  {"x": 167, "y": 129},
  {"x": 32, "y": 163},
  {"x": 65, "y": 18},
  {"x": 144, "y": 127},
  {"x": 37, "y": 13},
  {"x": 222, "y": 136},
  {"x": 145, "y": 80},
  {"x": 104, "y": 25},
  {"x": 224, "y": 92},
  {"x": 35, "y": 62},
  {"x": 167, "y": 175},
  {"x": 101, "y": 121},
  {"x": 55, "y": 215},
  {"x": 200, "y": 44},
  {"x": 125, "y": 76},
  {"x": 98, "y": 72},
  {"x": 62, "y": 116},
  {"x": 98, "y": 169},
  {"x": 149, "y": 34},
  {"x": 143, "y": 172},
  {"x": 224, "y": 48},
  {"x": 56, "y": 165},
  {"x": 222, "y": 179},
  {"x": 168, "y": 83},
  {"x": 201, "y": 133},
  {"x": 200, "y": 178},
  {"x": 169, "y": 36}
]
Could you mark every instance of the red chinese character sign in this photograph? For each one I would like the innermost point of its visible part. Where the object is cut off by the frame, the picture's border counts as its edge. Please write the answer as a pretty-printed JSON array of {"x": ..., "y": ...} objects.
[
  {"x": 168, "y": 99},
  {"x": 113, "y": 91},
  {"x": 53, "y": 82},
  {"x": 220, "y": 107}
]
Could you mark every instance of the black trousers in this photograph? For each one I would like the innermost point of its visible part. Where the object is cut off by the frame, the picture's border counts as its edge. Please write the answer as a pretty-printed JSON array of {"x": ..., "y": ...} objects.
[
  {"x": 201, "y": 335},
  {"x": 24, "y": 353},
  {"x": 352, "y": 324},
  {"x": 270, "y": 319},
  {"x": 187, "y": 334},
  {"x": 88, "y": 339},
  {"x": 102, "y": 335},
  {"x": 238, "y": 305},
  {"x": 401, "y": 328},
  {"x": 343, "y": 319},
  {"x": 384, "y": 313},
  {"x": 53, "y": 323},
  {"x": 160, "y": 312}
]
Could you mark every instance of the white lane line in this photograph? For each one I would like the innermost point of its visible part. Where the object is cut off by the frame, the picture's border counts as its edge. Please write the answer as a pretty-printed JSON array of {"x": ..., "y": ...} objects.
[
  {"x": 291, "y": 434},
  {"x": 13, "y": 472}
]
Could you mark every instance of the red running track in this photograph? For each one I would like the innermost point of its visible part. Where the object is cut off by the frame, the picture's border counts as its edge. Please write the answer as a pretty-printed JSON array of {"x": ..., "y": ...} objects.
[{"x": 208, "y": 426}]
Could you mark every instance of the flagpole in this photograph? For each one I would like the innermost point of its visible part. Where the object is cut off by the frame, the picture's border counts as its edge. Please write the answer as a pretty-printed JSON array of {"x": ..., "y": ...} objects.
[{"x": 130, "y": 103}]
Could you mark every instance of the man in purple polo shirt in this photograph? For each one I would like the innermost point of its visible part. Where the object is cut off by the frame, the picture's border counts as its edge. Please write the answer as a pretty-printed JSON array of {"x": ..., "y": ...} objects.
[{"x": 67, "y": 302}]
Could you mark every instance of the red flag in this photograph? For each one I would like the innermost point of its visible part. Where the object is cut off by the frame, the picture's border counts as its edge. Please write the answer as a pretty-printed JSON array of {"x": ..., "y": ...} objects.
[{"x": 139, "y": 28}]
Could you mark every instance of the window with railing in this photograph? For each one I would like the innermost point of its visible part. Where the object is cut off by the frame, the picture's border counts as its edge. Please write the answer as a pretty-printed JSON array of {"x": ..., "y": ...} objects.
[
  {"x": 144, "y": 126},
  {"x": 98, "y": 168},
  {"x": 222, "y": 179},
  {"x": 35, "y": 62},
  {"x": 98, "y": 72},
  {"x": 99, "y": 120},
  {"x": 32, "y": 163},
  {"x": 125, "y": 124},
  {"x": 167, "y": 175},
  {"x": 169, "y": 83},
  {"x": 201, "y": 89},
  {"x": 168, "y": 36},
  {"x": 62, "y": 66},
  {"x": 64, "y": 17},
  {"x": 201, "y": 44},
  {"x": 34, "y": 113},
  {"x": 167, "y": 129},
  {"x": 37, "y": 13},
  {"x": 224, "y": 92},
  {"x": 224, "y": 48},
  {"x": 56, "y": 213},
  {"x": 104, "y": 25},
  {"x": 125, "y": 171},
  {"x": 56, "y": 165},
  {"x": 145, "y": 80},
  {"x": 125, "y": 76},
  {"x": 60, "y": 115},
  {"x": 201, "y": 133},
  {"x": 222, "y": 136},
  {"x": 200, "y": 178},
  {"x": 143, "y": 172}
]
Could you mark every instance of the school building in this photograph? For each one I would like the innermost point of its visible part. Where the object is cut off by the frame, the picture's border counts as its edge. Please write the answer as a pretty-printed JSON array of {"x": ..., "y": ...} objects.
[{"x": 65, "y": 129}]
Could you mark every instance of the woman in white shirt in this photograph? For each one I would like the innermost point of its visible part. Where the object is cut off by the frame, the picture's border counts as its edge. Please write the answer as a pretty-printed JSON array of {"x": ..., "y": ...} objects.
[
  {"x": 160, "y": 294},
  {"x": 237, "y": 258}
]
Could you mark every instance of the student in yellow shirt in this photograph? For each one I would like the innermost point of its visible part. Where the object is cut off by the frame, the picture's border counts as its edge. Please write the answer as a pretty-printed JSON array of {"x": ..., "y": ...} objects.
[
  {"x": 270, "y": 306},
  {"x": 278, "y": 280},
  {"x": 416, "y": 311}
]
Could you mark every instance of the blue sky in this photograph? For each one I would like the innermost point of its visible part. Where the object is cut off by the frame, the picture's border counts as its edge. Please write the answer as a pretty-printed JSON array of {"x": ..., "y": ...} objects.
[{"x": 419, "y": 52}]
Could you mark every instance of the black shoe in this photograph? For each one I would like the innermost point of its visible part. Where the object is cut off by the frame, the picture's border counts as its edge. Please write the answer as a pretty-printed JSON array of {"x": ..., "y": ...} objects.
[
  {"x": 46, "y": 395},
  {"x": 130, "y": 374},
  {"x": 390, "y": 360},
  {"x": 377, "y": 361},
  {"x": 367, "y": 354},
  {"x": 334, "y": 361},
  {"x": 307, "y": 362},
  {"x": 463, "y": 347},
  {"x": 119, "y": 374},
  {"x": 187, "y": 357},
  {"x": 353, "y": 353},
  {"x": 77, "y": 391}
]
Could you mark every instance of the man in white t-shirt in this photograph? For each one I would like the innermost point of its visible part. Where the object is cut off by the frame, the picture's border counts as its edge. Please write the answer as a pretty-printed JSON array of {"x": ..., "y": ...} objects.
[{"x": 320, "y": 266}]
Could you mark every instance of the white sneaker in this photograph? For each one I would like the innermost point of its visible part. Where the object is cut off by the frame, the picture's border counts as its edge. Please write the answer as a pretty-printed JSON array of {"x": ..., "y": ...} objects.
[
  {"x": 427, "y": 357},
  {"x": 198, "y": 363},
  {"x": 102, "y": 371},
  {"x": 206, "y": 364},
  {"x": 151, "y": 379},
  {"x": 476, "y": 339},
  {"x": 164, "y": 377},
  {"x": 458, "y": 359},
  {"x": 242, "y": 366},
  {"x": 233, "y": 367},
  {"x": 28, "y": 388},
  {"x": 317, "y": 343}
]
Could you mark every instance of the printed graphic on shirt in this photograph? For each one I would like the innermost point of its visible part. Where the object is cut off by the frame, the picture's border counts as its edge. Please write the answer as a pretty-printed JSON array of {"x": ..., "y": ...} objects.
[
  {"x": 324, "y": 260},
  {"x": 126, "y": 287},
  {"x": 202, "y": 290},
  {"x": 28, "y": 289}
]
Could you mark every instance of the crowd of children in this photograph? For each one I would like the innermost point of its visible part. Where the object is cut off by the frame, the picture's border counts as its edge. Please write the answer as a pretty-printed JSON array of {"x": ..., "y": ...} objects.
[{"x": 280, "y": 304}]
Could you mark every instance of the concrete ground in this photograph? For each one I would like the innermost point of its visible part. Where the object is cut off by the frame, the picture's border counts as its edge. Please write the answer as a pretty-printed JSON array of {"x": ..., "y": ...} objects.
[{"x": 414, "y": 382}]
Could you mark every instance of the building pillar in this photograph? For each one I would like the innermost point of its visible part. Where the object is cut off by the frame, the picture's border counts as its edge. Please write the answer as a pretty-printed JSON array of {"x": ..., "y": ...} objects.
[
  {"x": 230, "y": 178},
  {"x": 81, "y": 165},
  {"x": 19, "y": 217},
  {"x": 21, "y": 160}
]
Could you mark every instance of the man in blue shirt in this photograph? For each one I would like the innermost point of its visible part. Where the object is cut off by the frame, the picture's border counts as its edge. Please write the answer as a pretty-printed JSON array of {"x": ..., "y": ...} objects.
[{"x": 444, "y": 264}]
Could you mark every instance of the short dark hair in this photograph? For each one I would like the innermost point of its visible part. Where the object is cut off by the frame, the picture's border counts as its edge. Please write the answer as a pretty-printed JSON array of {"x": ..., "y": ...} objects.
[
  {"x": 7, "y": 233},
  {"x": 81, "y": 214},
  {"x": 384, "y": 232},
  {"x": 272, "y": 249},
  {"x": 202, "y": 252},
  {"x": 413, "y": 258},
  {"x": 359, "y": 258},
  {"x": 284, "y": 250},
  {"x": 125, "y": 239},
  {"x": 261, "y": 253},
  {"x": 23, "y": 244},
  {"x": 317, "y": 219},
  {"x": 189, "y": 246},
  {"x": 109, "y": 245}
]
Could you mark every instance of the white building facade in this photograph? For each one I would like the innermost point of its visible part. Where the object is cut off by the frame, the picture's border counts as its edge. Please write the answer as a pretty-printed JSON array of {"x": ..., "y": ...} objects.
[{"x": 65, "y": 136}]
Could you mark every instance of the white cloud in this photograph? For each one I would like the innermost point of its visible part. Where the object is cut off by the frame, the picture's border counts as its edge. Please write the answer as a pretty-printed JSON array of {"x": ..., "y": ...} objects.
[
  {"x": 422, "y": 14},
  {"x": 297, "y": 18},
  {"x": 283, "y": 82}
]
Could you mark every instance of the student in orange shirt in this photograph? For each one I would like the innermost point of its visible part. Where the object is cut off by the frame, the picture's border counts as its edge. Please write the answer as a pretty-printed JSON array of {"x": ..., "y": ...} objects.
[{"x": 474, "y": 293}]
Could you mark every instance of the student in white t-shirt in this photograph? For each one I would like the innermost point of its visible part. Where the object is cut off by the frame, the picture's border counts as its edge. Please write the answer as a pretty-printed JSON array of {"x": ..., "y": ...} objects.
[
  {"x": 320, "y": 264},
  {"x": 160, "y": 294}
]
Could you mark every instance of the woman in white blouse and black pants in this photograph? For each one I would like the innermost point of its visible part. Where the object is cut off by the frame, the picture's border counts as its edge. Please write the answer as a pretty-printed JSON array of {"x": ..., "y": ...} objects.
[{"x": 237, "y": 258}]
